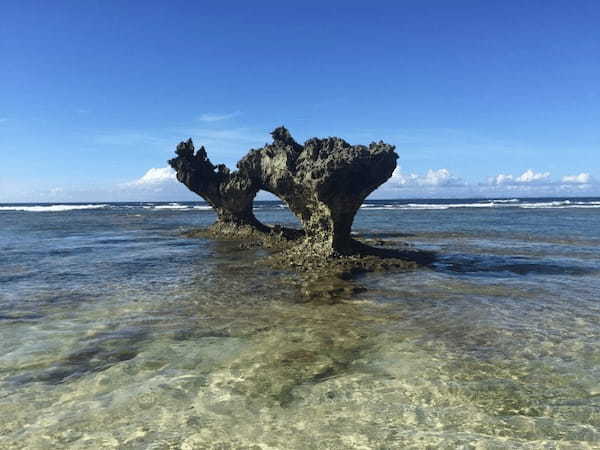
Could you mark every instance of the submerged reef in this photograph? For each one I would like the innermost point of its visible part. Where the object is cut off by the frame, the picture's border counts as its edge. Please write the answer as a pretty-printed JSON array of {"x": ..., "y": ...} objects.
[{"x": 323, "y": 182}]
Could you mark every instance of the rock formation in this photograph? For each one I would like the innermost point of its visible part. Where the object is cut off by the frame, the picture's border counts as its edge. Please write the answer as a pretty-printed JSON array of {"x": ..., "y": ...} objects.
[
  {"x": 230, "y": 193},
  {"x": 323, "y": 182}
]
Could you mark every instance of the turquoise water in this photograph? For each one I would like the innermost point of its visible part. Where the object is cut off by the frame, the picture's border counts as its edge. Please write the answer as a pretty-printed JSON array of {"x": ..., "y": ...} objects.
[{"x": 117, "y": 332}]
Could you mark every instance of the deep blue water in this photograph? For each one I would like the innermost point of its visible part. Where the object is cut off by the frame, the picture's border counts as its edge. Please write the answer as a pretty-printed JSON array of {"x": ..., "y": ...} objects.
[{"x": 117, "y": 331}]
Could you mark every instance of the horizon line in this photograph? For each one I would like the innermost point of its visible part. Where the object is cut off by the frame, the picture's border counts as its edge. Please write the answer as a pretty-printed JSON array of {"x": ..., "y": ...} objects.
[{"x": 281, "y": 201}]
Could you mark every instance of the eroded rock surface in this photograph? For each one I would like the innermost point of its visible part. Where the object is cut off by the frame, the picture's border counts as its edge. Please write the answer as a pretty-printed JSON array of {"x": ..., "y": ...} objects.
[
  {"x": 323, "y": 182},
  {"x": 231, "y": 194}
]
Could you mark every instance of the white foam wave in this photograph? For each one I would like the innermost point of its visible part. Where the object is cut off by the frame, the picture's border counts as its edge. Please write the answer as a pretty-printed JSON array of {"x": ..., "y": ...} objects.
[
  {"x": 512, "y": 200},
  {"x": 560, "y": 205},
  {"x": 378, "y": 206},
  {"x": 179, "y": 207},
  {"x": 171, "y": 206},
  {"x": 555, "y": 204},
  {"x": 424, "y": 206},
  {"x": 509, "y": 203},
  {"x": 50, "y": 208},
  {"x": 498, "y": 203},
  {"x": 430, "y": 206}
]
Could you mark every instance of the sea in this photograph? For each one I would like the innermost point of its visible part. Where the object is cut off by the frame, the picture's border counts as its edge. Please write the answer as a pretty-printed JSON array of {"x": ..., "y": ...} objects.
[{"x": 119, "y": 332}]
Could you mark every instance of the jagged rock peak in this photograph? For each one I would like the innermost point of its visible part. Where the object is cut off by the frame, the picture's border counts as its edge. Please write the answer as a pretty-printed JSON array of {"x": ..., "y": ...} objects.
[{"x": 281, "y": 136}]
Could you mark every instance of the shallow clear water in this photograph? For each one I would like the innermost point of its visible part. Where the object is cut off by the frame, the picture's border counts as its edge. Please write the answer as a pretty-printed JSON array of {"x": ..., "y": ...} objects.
[{"x": 117, "y": 332}]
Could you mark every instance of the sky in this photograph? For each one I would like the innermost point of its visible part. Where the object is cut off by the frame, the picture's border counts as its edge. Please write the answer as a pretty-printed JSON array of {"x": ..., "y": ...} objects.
[{"x": 481, "y": 98}]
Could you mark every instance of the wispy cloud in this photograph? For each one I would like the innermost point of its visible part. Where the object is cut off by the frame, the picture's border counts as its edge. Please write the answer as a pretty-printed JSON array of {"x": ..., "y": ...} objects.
[
  {"x": 229, "y": 135},
  {"x": 126, "y": 138},
  {"x": 224, "y": 145},
  {"x": 3, "y": 119},
  {"x": 224, "y": 140},
  {"x": 215, "y": 117},
  {"x": 432, "y": 143}
]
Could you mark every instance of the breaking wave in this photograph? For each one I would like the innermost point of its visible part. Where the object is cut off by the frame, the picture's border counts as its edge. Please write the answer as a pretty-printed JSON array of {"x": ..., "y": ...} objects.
[
  {"x": 509, "y": 203},
  {"x": 171, "y": 206},
  {"x": 371, "y": 205},
  {"x": 51, "y": 208}
]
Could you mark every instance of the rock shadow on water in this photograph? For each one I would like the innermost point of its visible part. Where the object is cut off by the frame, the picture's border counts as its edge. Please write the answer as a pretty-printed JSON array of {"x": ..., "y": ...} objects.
[{"x": 490, "y": 264}]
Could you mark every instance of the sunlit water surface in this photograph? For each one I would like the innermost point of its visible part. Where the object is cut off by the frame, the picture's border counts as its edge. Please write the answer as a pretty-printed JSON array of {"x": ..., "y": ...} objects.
[{"x": 117, "y": 332}]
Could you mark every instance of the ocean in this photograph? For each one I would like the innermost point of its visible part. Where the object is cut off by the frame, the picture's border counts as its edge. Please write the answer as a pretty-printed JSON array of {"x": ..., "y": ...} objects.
[{"x": 116, "y": 331}]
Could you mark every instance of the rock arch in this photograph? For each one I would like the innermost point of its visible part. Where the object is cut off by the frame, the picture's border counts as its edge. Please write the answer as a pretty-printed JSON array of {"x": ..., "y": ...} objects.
[{"x": 323, "y": 181}]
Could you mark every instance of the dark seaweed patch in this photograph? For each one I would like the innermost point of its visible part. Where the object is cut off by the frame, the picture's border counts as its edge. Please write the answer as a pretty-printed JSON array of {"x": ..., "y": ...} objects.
[
  {"x": 515, "y": 265},
  {"x": 21, "y": 317},
  {"x": 105, "y": 351}
]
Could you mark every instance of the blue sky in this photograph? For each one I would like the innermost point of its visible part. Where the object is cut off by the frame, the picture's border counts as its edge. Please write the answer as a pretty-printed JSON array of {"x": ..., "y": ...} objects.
[{"x": 480, "y": 98}]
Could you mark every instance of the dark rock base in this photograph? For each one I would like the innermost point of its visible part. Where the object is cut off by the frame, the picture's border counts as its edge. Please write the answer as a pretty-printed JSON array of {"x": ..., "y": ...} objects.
[
  {"x": 273, "y": 237},
  {"x": 291, "y": 251}
]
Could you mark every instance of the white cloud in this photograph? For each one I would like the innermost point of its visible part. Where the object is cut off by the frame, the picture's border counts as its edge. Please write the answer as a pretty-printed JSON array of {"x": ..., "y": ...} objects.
[
  {"x": 212, "y": 117},
  {"x": 440, "y": 177},
  {"x": 501, "y": 179},
  {"x": 582, "y": 178},
  {"x": 527, "y": 177},
  {"x": 154, "y": 178},
  {"x": 433, "y": 178},
  {"x": 530, "y": 179},
  {"x": 441, "y": 183},
  {"x": 157, "y": 184}
]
